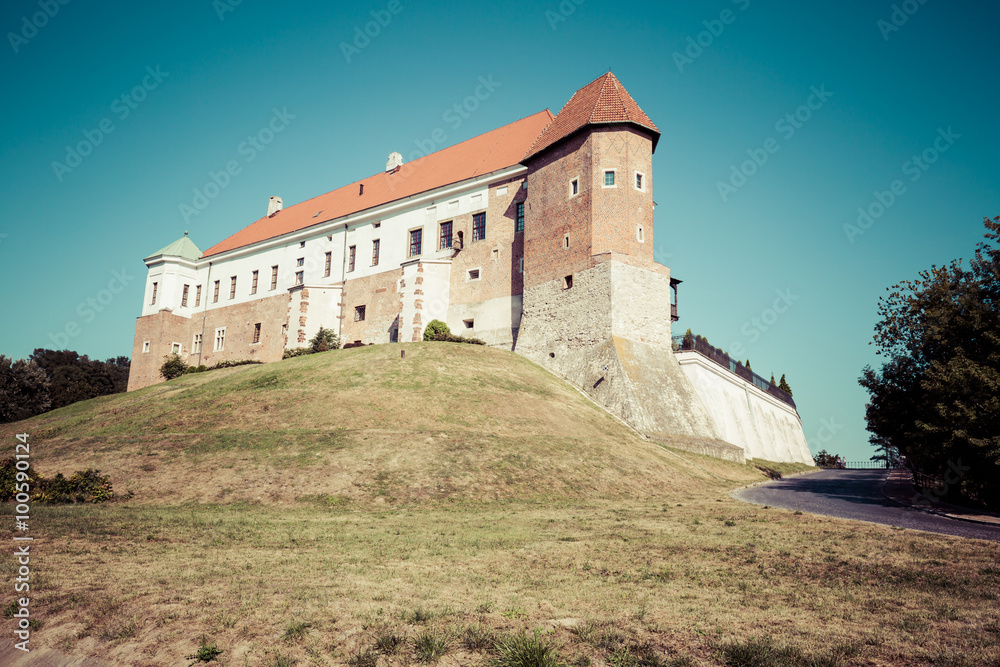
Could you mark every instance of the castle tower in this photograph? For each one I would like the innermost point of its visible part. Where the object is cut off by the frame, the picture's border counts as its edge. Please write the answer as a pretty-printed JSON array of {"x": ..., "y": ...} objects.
[{"x": 596, "y": 306}]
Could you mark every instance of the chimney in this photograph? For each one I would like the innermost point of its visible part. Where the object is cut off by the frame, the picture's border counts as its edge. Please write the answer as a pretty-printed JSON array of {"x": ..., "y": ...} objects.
[
  {"x": 394, "y": 162},
  {"x": 273, "y": 206}
]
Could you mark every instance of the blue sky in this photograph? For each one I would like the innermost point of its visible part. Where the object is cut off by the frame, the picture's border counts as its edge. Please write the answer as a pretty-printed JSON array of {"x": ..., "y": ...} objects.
[{"x": 752, "y": 204}]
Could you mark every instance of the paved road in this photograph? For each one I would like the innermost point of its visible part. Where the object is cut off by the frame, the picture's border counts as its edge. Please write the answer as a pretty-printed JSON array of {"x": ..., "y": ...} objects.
[{"x": 856, "y": 494}]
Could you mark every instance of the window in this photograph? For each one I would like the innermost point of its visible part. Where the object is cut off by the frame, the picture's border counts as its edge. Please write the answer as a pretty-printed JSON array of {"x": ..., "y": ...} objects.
[
  {"x": 473, "y": 275},
  {"x": 184, "y": 296},
  {"x": 328, "y": 265},
  {"x": 566, "y": 241},
  {"x": 274, "y": 277},
  {"x": 520, "y": 265},
  {"x": 175, "y": 348},
  {"x": 232, "y": 287},
  {"x": 568, "y": 282},
  {"x": 609, "y": 178},
  {"x": 197, "y": 296},
  {"x": 253, "y": 283},
  {"x": 220, "y": 339},
  {"x": 284, "y": 329},
  {"x": 415, "y": 240},
  {"x": 215, "y": 297},
  {"x": 640, "y": 181},
  {"x": 640, "y": 234},
  {"x": 445, "y": 235},
  {"x": 302, "y": 244},
  {"x": 359, "y": 313},
  {"x": 351, "y": 254},
  {"x": 469, "y": 324},
  {"x": 145, "y": 346},
  {"x": 256, "y": 334},
  {"x": 495, "y": 256},
  {"x": 478, "y": 226},
  {"x": 300, "y": 261},
  {"x": 375, "y": 248},
  {"x": 519, "y": 225},
  {"x": 574, "y": 187},
  {"x": 153, "y": 300},
  {"x": 300, "y": 278},
  {"x": 196, "y": 344}
]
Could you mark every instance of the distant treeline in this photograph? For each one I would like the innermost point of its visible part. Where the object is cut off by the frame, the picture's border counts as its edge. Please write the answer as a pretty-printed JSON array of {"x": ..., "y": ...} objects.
[{"x": 51, "y": 379}]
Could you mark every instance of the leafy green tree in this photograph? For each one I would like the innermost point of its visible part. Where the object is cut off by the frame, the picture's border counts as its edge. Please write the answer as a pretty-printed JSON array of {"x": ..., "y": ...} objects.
[
  {"x": 435, "y": 327},
  {"x": 688, "y": 342},
  {"x": 825, "y": 460},
  {"x": 936, "y": 400},
  {"x": 783, "y": 385},
  {"x": 773, "y": 383},
  {"x": 24, "y": 390},
  {"x": 325, "y": 339},
  {"x": 173, "y": 367},
  {"x": 74, "y": 377}
]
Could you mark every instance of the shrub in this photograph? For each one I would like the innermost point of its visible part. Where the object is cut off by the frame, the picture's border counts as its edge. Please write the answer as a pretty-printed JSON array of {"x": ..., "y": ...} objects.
[
  {"x": 234, "y": 363},
  {"x": 452, "y": 338},
  {"x": 325, "y": 339},
  {"x": 84, "y": 486},
  {"x": 435, "y": 327},
  {"x": 296, "y": 352},
  {"x": 173, "y": 367}
]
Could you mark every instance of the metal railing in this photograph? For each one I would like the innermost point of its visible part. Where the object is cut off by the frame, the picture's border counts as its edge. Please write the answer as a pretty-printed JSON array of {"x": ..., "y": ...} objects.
[{"x": 706, "y": 350}]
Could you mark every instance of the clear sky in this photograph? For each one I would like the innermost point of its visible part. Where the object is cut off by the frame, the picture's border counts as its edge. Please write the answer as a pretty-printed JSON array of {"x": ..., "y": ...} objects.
[{"x": 779, "y": 121}]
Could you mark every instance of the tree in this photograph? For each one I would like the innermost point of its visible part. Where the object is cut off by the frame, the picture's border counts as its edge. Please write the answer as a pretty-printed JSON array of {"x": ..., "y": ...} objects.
[
  {"x": 783, "y": 385},
  {"x": 435, "y": 327},
  {"x": 24, "y": 390},
  {"x": 688, "y": 342},
  {"x": 325, "y": 339},
  {"x": 773, "y": 383},
  {"x": 936, "y": 400},
  {"x": 825, "y": 460},
  {"x": 173, "y": 367},
  {"x": 73, "y": 377},
  {"x": 747, "y": 364}
]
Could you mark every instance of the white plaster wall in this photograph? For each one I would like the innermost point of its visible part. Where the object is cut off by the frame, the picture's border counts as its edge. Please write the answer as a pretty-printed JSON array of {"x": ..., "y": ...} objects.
[
  {"x": 744, "y": 415},
  {"x": 495, "y": 320}
]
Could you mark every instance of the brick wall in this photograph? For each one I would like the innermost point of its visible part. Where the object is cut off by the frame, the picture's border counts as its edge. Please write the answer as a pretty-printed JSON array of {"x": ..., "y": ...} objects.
[{"x": 379, "y": 295}]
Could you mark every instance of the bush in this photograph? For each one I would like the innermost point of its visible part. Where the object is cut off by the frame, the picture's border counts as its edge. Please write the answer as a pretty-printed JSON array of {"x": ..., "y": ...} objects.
[
  {"x": 296, "y": 352},
  {"x": 173, "y": 367},
  {"x": 435, "y": 328},
  {"x": 521, "y": 650},
  {"x": 325, "y": 339},
  {"x": 452, "y": 338},
  {"x": 234, "y": 363},
  {"x": 84, "y": 486}
]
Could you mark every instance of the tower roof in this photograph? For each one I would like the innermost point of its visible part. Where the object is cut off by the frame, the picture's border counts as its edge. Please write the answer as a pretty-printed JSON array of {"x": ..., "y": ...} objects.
[
  {"x": 182, "y": 247},
  {"x": 602, "y": 101}
]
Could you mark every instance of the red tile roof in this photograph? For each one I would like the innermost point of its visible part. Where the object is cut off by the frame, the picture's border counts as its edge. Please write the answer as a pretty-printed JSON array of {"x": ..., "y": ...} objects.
[
  {"x": 603, "y": 100},
  {"x": 480, "y": 155}
]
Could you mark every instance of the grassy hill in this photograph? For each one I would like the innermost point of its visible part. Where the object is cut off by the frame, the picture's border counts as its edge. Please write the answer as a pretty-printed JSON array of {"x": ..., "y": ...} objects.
[
  {"x": 355, "y": 508},
  {"x": 364, "y": 425}
]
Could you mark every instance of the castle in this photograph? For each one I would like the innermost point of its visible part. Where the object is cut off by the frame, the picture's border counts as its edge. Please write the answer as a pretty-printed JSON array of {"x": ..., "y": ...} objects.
[{"x": 536, "y": 237}]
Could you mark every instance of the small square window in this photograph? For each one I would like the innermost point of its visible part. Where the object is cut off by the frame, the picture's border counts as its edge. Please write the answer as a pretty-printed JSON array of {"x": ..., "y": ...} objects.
[
  {"x": 359, "y": 313},
  {"x": 473, "y": 275},
  {"x": 469, "y": 324},
  {"x": 568, "y": 282},
  {"x": 609, "y": 178},
  {"x": 302, "y": 244},
  {"x": 175, "y": 348},
  {"x": 640, "y": 234},
  {"x": 300, "y": 278},
  {"x": 145, "y": 346}
]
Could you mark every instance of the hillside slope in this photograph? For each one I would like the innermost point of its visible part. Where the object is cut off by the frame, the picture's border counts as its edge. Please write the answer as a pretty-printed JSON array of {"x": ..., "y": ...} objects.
[{"x": 364, "y": 425}]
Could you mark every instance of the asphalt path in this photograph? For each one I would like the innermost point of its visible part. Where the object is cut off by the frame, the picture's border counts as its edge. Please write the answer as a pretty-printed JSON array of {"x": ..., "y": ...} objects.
[{"x": 857, "y": 494}]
